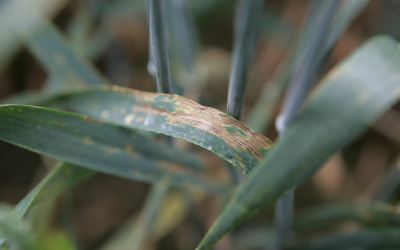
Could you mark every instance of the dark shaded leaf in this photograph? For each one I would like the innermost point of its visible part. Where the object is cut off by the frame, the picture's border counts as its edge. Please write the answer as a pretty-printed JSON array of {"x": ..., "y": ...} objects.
[
  {"x": 366, "y": 239},
  {"x": 374, "y": 214}
]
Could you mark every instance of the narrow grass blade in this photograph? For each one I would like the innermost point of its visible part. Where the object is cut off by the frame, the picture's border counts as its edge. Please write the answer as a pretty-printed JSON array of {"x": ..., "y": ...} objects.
[
  {"x": 79, "y": 28},
  {"x": 172, "y": 115},
  {"x": 304, "y": 68},
  {"x": 99, "y": 146},
  {"x": 159, "y": 46},
  {"x": 18, "y": 18},
  {"x": 61, "y": 178},
  {"x": 14, "y": 234},
  {"x": 354, "y": 94},
  {"x": 273, "y": 89},
  {"x": 183, "y": 35},
  {"x": 248, "y": 16},
  {"x": 147, "y": 218},
  {"x": 388, "y": 184},
  {"x": 373, "y": 214},
  {"x": 184, "y": 47},
  {"x": 303, "y": 78},
  {"x": 365, "y": 239},
  {"x": 54, "y": 53}
]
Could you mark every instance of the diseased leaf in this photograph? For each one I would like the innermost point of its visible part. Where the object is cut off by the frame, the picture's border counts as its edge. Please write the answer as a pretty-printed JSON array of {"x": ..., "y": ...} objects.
[
  {"x": 352, "y": 96},
  {"x": 172, "y": 115},
  {"x": 99, "y": 146},
  {"x": 61, "y": 178}
]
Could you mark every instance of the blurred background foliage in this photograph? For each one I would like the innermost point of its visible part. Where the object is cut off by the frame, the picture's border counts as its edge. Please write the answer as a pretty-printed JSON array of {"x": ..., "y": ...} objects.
[{"x": 114, "y": 36}]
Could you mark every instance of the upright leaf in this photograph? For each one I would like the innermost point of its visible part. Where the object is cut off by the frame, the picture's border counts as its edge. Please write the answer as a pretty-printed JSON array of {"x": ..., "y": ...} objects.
[
  {"x": 273, "y": 88},
  {"x": 159, "y": 46},
  {"x": 353, "y": 95},
  {"x": 247, "y": 20}
]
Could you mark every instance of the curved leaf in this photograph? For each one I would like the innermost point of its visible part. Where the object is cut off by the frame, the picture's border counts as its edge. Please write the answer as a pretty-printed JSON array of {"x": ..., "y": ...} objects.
[
  {"x": 354, "y": 94},
  {"x": 61, "y": 178},
  {"x": 97, "y": 145},
  {"x": 168, "y": 114},
  {"x": 172, "y": 115}
]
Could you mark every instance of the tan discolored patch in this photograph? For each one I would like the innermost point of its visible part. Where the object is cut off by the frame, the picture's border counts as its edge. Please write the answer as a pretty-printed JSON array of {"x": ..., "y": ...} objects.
[
  {"x": 111, "y": 150},
  {"x": 91, "y": 120},
  {"x": 60, "y": 123},
  {"x": 204, "y": 118},
  {"x": 87, "y": 141},
  {"x": 105, "y": 114},
  {"x": 131, "y": 151},
  {"x": 213, "y": 121}
]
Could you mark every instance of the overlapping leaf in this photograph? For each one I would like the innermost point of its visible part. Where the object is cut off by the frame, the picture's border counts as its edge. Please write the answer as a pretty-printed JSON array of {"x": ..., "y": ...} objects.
[
  {"x": 53, "y": 51},
  {"x": 353, "y": 95},
  {"x": 364, "y": 239},
  {"x": 171, "y": 115},
  {"x": 61, "y": 178},
  {"x": 97, "y": 145},
  {"x": 374, "y": 214}
]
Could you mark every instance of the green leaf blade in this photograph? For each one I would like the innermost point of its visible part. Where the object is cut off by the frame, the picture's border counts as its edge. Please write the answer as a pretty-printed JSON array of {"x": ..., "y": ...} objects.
[
  {"x": 97, "y": 145},
  {"x": 367, "y": 83},
  {"x": 61, "y": 178},
  {"x": 176, "y": 116}
]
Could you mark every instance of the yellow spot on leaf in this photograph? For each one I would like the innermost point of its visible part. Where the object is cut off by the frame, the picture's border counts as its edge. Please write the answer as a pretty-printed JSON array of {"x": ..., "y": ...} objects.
[
  {"x": 129, "y": 118},
  {"x": 112, "y": 150},
  {"x": 105, "y": 114}
]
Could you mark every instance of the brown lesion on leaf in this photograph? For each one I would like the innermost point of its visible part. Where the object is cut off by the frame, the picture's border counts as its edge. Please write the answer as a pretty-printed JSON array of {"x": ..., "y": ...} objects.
[
  {"x": 111, "y": 150},
  {"x": 204, "y": 118},
  {"x": 91, "y": 120},
  {"x": 87, "y": 141},
  {"x": 60, "y": 122},
  {"x": 129, "y": 149}
]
